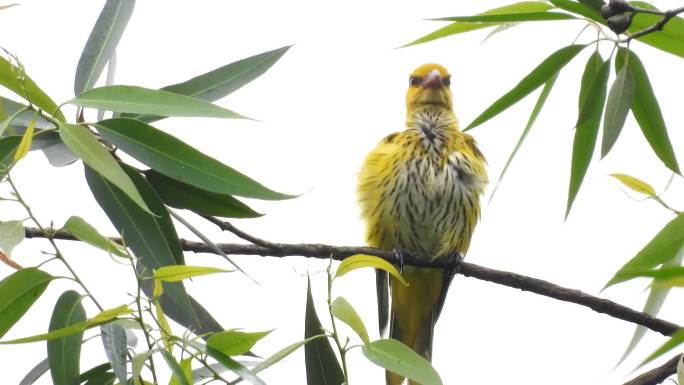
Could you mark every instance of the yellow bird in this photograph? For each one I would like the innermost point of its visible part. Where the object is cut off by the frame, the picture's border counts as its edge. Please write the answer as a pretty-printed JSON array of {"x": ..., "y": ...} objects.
[{"x": 419, "y": 192}]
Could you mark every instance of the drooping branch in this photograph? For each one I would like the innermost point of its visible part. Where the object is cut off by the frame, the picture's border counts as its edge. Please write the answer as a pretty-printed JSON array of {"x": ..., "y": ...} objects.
[
  {"x": 657, "y": 375},
  {"x": 505, "y": 278}
]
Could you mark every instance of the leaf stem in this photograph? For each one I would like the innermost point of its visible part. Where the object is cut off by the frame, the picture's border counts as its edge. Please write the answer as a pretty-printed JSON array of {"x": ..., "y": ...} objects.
[
  {"x": 140, "y": 320},
  {"x": 335, "y": 335}
]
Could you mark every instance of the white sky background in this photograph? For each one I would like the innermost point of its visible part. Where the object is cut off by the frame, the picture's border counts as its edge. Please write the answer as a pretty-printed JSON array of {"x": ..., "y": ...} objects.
[{"x": 322, "y": 107}]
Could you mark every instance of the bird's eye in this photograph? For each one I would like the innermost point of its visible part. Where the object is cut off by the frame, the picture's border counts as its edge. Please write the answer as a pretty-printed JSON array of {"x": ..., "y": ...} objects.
[
  {"x": 414, "y": 81},
  {"x": 446, "y": 82}
]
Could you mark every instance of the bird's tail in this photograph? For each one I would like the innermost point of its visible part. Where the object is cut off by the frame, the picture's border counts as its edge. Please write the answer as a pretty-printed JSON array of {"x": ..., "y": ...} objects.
[{"x": 415, "y": 309}]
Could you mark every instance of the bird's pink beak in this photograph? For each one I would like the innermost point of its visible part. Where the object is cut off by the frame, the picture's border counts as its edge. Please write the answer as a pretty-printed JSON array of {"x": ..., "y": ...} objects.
[{"x": 432, "y": 81}]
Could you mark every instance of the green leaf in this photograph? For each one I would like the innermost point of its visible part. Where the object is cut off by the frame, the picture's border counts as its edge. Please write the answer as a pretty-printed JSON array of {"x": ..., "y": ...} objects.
[
  {"x": 99, "y": 375},
  {"x": 461, "y": 27},
  {"x": 235, "y": 367},
  {"x": 8, "y": 146},
  {"x": 9, "y": 120},
  {"x": 12, "y": 233},
  {"x": 34, "y": 374},
  {"x": 82, "y": 230},
  {"x": 322, "y": 367},
  {"x": 533, "y": 118},
  {"x": 176, "y": 370},
  {"x": 655, "y": 300},
  {"x": 17, "y": 81},
  {"x": 590, "y": 70},
  {"x": 540, "y": 75},
  {"x": 186, "y": 368},
  {"x": 222, "y": 81},
  {"x": 344, "y": 311},
  {"x": 670, "y": 39},
  {"x": 184, "y": 196},
  {"x": 674, "y": 341},
  {"x": 664, "y": 247},
  {"x": 579, "y": 9},
  {"x": 359, "y": 261},
  {"x": 64, "y": 354},
  {"x": 680, "y": 371},
  {"x": 18, "y": 292},
  {"x": 586, "y": 132},
  {"x": 84, "y": 144},
  {"x": 233, "y": 342},
  {"x": 177, "y": 273},
  {"x": 174, "y": 158},
  {"x": 635, "y": 184},
  {"x": 138, "y": 363},
  {"x": 510, "y": 17},
  {"x": 102, "y": 318},
  {"x": 26, "y": 140},
  {"x": 646, "y": 110},
  {"x": 139, "y": 100},
  {"x": 282, "y": 353},
  {"x": 102, "y": 42},
  {"x": 593, "y": 4},
  {"x": 115, "y": 346},
  {"x": 619, "y": 101},
  {"x": 396, "y": 357}
]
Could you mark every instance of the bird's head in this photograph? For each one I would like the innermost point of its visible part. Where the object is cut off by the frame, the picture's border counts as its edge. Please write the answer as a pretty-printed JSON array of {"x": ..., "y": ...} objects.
[{"x": 429, "y": 84}]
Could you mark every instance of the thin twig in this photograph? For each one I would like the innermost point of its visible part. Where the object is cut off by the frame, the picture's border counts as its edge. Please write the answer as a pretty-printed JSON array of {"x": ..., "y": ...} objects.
[
  {"x": 505, "y": 278},
  {"x": 657, "y": 375},
  {"x": 667, "y": 15},
  {"x": 227, "y": 226}
]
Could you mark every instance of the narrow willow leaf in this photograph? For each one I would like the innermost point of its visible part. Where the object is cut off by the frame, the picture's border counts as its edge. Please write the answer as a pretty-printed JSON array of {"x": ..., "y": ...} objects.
[
  {"x": 593, "y": 4},
  {"x": 82, "y": 230},
  {"x": 102, "y": 43},
  {"x": 184, "y": 196},
  {"x": 12, "y": 233},
  {"x": 174, "y": 158},
  {"x": 64, "y": 354},
  {"x": 8, "y": 147},
  {"x": 359, "y": 261},
  {"x": 101, "y": 318},
  {"x": 9, "y": 120},
  {"x": 36, "y": 373},
  {"x": 510, "y": 17},
  {"x": 235, "y": 367},
  {"x": 540, "y": 75},
  {"x": 674, "y": 341},
  {"x": 664, "y": 247},
  {"x": 176, "y": 370},
  {"x": 222, "y": 81},
  {"x": 461, "y": 27},
  {"x": 646, "y": 110},
  {"x": 579, "y": 9},
  {"x": 670, "y": 39},
  {"x": 282, "y": 353},
  {"x": 98, "y": 375},
  {"x": 186, "y": 368},
  {"x": 530, "y": 122},
  {"x": 590, "y": 70},
  {"x": 654, "y": 302},
  {"x": 680, "y": 370},
  {"x": 635, "y": 184},
  {"x": 139, "y": 100},
  {"x": 115, "y": 345},
  {"x": 59, "y": 155},
  {"x": 17, "y": 81},
  {"x": 322, "y": 367},
  {"x": 176, "y": 273},
  {"x": 26, "y": 140},
  {"x": 137, "y": 364},
  {"x": 111, "y": 73},
  {"x": 396, "y": 357},
  {"x": 345, "y": 312},
  {"x": 84, "y": 144},
  {"x": 586, "y": 132},
  {"x": 164, "y": 326},
  {"x": 234, "y": 342},
  {"x": 619, "y": 101},
  {"x": 18, "y": 292}
]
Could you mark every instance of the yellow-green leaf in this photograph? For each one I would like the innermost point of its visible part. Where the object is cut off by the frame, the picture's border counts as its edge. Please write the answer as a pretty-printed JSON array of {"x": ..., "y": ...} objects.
[
  {"x": 163, "y": 325},
  {"x": 344, "y": 311},
  {"x": 82, "y": 230},
  {"x": 635, "y": 184},
  {"x": 26, "y": 140},
  {"x": 234, "y": 342},
  {"x": 15, "y": 79},
  {"x": 175, "y": 273},
  {"x": 359, "y": 261}
]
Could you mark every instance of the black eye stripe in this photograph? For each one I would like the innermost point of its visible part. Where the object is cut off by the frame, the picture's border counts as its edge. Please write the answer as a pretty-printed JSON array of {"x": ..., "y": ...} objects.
[
  {"x": 447, "y": 81},
  {"x": 415, "y": 81}
]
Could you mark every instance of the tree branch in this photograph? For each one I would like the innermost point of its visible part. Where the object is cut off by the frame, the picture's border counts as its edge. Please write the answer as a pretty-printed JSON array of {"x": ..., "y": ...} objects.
[
  {"x": 667, "y": 15},
  {"x": 657, "y": 375},
  {"x": 505, "y": 278}
]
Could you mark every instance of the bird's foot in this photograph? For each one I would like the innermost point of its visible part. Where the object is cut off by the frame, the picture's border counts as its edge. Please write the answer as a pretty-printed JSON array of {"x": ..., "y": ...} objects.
[
  {"x": 400, "y": 254},
  {"x": 454, "y": 263}
]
